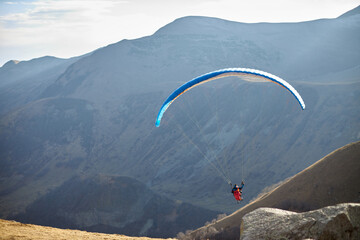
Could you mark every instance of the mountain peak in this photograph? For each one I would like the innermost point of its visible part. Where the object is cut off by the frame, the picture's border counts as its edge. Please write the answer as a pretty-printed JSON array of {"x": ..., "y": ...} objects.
[
  {"x": 10, "y": 63},
  {"x": 39, "y": 60},
  {"x": 355, "y": 11},
  {"x": 195, "y": 25}
]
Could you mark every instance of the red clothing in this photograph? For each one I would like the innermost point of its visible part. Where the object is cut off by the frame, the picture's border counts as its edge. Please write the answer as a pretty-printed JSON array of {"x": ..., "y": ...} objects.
[{"x": 237, "y": 195}]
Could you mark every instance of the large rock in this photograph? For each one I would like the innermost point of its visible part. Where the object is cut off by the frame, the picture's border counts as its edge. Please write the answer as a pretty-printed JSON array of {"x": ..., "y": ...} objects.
[{"x": 341, "y": 221}]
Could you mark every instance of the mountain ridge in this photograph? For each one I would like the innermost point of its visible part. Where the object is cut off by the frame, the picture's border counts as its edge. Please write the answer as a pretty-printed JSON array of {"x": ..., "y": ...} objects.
[
  {"x": 355, "y": 11},
  {"x": 23, "y": 81}
]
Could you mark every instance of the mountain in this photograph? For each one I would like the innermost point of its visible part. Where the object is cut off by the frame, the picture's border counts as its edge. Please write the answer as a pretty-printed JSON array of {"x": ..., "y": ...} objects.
[
  {"x": 113, "y": 204},
  {"x": 15, "y": 230},
  {"x": 22, "y": 81},
  {"x": 332, "y": 180},
  {"x": 96, "y": 114}
]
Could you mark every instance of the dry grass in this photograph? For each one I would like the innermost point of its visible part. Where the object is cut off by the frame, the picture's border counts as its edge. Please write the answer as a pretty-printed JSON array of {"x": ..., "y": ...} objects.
[{"x": 11, "y": 230}]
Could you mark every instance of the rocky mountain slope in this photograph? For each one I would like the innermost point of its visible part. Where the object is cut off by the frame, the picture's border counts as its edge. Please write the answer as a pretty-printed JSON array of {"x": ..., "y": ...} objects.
[
  {"x": 332, "y": 180},
  {"x": 95, "y": 115}
]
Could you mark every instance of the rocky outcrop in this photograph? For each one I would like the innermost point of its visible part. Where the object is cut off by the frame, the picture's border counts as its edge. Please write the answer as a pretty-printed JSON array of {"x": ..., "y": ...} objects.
[{"x": 341, "y": 221}]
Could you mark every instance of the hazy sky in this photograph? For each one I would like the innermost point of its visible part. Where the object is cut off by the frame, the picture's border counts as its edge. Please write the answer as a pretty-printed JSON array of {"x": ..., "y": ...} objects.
[{"x": 66, "y": 28}]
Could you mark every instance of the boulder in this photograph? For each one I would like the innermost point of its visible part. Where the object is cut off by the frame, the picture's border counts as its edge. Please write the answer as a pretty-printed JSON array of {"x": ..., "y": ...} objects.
[{"x": 341, "y": 221}]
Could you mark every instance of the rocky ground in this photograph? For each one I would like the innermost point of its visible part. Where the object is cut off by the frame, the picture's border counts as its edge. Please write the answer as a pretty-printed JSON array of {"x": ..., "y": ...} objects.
[
  {"x": 11, "y": 230},
  {"x": 341, "y": 221}
]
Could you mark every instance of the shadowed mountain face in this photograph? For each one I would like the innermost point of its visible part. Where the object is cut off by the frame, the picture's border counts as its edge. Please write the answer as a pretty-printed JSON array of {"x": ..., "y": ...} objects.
[
  {"x": 97, "y": 115},
  {"x": 113, "y": 205}
]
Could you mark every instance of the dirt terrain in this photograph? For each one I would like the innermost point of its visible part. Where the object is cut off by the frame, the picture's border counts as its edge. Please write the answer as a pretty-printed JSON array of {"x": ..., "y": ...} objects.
[{"x": 11, "y": 230}]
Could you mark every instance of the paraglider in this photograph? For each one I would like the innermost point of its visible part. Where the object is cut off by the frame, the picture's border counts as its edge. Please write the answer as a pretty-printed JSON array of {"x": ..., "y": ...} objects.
[
  {"x": 246, "y": 74},
  {"x": 237, "y": 191},
  {"x": 251, "y": 75}
]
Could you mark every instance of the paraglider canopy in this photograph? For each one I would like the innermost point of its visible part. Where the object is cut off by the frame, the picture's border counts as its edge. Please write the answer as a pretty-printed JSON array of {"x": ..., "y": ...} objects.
[{"x": 246, "y": 74}]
